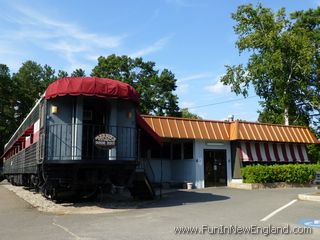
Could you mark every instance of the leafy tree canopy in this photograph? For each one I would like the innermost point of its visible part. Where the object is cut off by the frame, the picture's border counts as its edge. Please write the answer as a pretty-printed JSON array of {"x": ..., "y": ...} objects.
[
  {"x": 78, "y": 73},
  {"x": 154, "y": 87},
  {"x": 29, "y": 85},
  {"x": 283, "y": 63},
  {"x": 185, "y": 113},
  {"x": 7, "y": 124},
  {"x": 62, "y": 74},
  {"x": 18, "y": 94},
  {"x": 19, "y": 91}
]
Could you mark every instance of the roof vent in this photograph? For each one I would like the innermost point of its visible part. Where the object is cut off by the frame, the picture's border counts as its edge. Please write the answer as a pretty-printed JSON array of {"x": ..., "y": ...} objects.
[{"x": 230, "y": 118}]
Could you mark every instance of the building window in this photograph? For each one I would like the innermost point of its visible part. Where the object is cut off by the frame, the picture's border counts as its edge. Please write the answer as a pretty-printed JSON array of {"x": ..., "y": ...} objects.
[
  {"x": 163, "y": 152},
  {"x": 188, "y": 150},
  {"x": 166, "y": 150},
  {"x": 173, "y": 150},
  {"x": 143, "y": 152},
  {"x": 156, "y": 152},
  {"x": 176, "y": 151}
]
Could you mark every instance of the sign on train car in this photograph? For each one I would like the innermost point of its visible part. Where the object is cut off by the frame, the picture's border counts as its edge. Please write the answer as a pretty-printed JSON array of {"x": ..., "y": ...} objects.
[{"x": 105, "y": 141}]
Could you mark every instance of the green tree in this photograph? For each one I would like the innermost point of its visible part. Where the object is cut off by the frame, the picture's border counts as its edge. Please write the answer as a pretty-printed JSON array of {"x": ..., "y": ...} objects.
[
  {"x": 7, "y": 123},
  {"x": 62, "y": 74},
  {"x": 165, "y": 101},
  {"x": 155, "y": 88},
  {"x": 18, "y": 94},
  {"x": 310, "y": 20},
  {"x": 30, "y": 82},
  {"x": 48, "y": 76},
  {"x": 282, "y": 65},
  {"x": 185, "y": 113},
  {"x": 78, "y": 73},
  {"x": 29, "y": 86}
]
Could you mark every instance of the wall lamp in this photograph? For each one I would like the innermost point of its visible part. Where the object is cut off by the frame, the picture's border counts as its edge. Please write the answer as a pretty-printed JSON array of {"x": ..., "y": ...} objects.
[{"x": 54, "y": 109}]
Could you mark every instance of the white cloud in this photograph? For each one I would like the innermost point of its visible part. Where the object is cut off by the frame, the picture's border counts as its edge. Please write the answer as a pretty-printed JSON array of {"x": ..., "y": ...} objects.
[
  {"x": 5, "y": 48},
  {"x": 195, "y": 76},
  {"x": 203, "y": 116},
  {"x": 184, "y": 3},
  {"x": 238, "y": 104},
  {"x": 10, "y": 56},
  {"x": 218, "y": 88},
  {"x": 182, "y": 88},
  {"x": 246, "y": 115},
  {"x": 186, "y": 104},
  {"x": 92, "y": 57},
  {"x": 51, "y": 28},
  {"x": 158, "y": 45},
  {"x": 33, "y": 31},
  {"x": 68, "y": 40}
]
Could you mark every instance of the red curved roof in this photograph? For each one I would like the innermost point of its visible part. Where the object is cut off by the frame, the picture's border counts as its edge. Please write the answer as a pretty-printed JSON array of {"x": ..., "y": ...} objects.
[{"x": 91, "y": 86}]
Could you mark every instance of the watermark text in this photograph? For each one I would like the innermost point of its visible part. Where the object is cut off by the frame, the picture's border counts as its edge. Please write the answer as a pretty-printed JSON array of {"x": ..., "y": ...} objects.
[{"x": 242, "y": 230}]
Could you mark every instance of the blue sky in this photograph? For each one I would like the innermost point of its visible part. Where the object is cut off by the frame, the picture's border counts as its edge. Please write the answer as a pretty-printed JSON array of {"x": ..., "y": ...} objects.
[{"x": 192, "y": 38}]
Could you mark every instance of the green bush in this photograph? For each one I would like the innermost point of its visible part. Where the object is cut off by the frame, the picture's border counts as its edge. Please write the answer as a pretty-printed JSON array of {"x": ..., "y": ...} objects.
[{"x": 289, "y": 173}]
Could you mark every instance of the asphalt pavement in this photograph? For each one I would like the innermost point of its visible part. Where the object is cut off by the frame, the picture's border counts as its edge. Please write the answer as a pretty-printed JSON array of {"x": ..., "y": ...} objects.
[{"x": 211, "y": 207}]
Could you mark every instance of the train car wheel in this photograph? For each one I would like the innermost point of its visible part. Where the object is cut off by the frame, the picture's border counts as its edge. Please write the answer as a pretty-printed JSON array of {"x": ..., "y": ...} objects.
[
  {"x": 88, "y": 194},
  {"x": 46, "y": 193}
]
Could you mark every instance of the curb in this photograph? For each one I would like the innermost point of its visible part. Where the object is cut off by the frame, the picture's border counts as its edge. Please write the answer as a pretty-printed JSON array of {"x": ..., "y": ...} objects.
[
  {"x": 309, "y": 197},
  {"x": 254, "y": 186}
]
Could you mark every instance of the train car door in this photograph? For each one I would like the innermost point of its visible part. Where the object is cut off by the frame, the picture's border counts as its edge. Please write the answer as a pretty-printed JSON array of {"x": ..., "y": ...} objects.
[{"x": 95, "y": 121}]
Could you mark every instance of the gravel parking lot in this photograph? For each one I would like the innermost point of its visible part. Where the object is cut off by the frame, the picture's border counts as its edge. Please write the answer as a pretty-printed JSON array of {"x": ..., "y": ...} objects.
[
  {"x": 208, "y": 208},
  {"x": 103, "y": 204}
]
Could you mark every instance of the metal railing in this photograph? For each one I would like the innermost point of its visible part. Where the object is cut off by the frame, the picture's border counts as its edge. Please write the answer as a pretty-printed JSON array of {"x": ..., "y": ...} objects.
[
  {"x": 76, "y": 142},
  {"x": 145, "y": 165}
]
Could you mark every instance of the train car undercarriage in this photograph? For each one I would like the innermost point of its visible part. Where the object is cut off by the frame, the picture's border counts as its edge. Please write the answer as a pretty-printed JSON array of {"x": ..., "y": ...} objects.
[{"x": 75, "y": 181}]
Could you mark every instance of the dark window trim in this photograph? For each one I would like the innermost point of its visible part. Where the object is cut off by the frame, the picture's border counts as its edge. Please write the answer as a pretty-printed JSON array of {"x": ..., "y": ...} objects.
[{"x": 182, "y": 154}]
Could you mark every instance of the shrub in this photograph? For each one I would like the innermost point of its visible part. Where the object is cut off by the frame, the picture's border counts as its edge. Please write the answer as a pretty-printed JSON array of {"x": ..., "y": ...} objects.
[{"x": 289, "y": 173}]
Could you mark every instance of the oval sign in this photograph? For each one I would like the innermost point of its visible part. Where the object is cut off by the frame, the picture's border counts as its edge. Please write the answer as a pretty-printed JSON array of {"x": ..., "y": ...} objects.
[{"x": 105, "y": 141}]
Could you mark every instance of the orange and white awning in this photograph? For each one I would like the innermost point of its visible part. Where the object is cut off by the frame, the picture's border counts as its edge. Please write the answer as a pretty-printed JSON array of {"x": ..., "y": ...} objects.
[
  {"x": 186, "y": 128},
  {"x": 272, "y": 152}
]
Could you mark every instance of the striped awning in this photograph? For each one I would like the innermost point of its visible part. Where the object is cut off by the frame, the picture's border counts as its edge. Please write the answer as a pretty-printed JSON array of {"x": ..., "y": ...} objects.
[
  {"x": 262, "y": 132},
  {"x": 272, "y": 152}
]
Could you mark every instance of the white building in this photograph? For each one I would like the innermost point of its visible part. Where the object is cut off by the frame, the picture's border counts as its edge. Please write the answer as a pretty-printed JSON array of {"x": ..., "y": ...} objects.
[{"x": 210, "y": 153}]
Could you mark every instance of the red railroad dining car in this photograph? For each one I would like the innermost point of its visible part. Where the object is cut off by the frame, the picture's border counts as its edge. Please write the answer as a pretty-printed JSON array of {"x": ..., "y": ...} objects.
[{"x": 81, "y": 135}]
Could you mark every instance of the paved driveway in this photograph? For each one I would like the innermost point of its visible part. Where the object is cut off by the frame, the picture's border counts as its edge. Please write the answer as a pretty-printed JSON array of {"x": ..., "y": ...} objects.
[{"x": 210, "y": 207}]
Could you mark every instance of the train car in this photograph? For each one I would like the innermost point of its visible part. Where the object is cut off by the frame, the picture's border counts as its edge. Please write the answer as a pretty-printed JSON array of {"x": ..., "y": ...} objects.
[
  {"x": 1, "y": 171},
  {"x": 80, "y": 135}
]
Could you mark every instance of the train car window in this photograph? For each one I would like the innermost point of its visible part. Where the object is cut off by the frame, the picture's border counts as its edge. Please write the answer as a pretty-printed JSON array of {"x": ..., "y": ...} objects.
[
  {"x": 188, "y": 150},
  {"x": 42, "y": 114}
]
